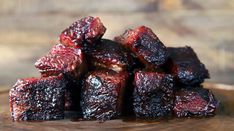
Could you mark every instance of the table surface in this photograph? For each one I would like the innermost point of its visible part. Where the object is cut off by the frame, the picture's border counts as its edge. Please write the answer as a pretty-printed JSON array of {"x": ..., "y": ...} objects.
[
  {"x": 223, "y": 121},
  {"x": 29, "y": 28}
]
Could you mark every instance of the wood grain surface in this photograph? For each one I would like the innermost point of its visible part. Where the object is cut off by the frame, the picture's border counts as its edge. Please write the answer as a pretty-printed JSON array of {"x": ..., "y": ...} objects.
[
  {"x": 223, "y": 121},
  {"x": 28, "y": 28}
]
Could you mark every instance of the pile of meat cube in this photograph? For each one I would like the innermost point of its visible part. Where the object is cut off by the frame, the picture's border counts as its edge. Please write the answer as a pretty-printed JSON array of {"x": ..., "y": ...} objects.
[{"x": 134, "y": 74}]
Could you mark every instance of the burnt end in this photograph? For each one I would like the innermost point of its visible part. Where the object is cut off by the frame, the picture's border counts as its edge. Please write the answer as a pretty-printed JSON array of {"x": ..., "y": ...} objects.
[
  {"x": 186, "y": 66},
  {"x": 37, "y": 99},
  {"x": 102, "y": 94},
  {"x": 110, "y": 55},
  {"x": 62, "y": 59},
  {"x": 71, "y": 63},
  {"x": 194, "y": 102},
  {"x": 87, "y": 30},
  {"x": 153, "y": 94},
  {"x": 145, "y": 45}
]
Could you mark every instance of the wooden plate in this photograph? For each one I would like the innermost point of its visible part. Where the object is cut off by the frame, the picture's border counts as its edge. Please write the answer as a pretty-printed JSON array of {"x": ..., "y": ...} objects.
[{"x": 223, "y": 121}]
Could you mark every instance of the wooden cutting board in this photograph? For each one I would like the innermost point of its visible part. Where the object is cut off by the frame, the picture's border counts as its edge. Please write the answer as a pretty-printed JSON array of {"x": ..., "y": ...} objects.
[{"x": 223, "y": 121}]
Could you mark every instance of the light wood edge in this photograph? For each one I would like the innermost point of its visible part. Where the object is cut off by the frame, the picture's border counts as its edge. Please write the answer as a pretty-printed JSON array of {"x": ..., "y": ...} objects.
[
  {"x": 219, "y": 86},
  {"x": 4, "y": 89}
]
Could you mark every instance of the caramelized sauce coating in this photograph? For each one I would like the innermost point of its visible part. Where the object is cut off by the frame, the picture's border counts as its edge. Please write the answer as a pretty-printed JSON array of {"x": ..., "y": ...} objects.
[
  {"x": 153, "y": 94},
  {"x": 83, "y": 32},
  {"x": 145, "y": 45},
  {"x": 62, "y": 59},
  {"x": 111, "y": 55},
  {"x": 186, "y": 67},
  {"x": 102, "y": 94},
  {"x": 194, "y": 102},
  {"x": 38, "y": 99}
]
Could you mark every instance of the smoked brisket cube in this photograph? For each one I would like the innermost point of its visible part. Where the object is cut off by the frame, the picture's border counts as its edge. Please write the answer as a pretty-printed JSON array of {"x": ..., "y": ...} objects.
[
  {"x": 153, "y": 95},
  {"x": 110, "y": 55},
  {"x": 194, "y": 102},
  {"x": 87, "y": 30},
  {"x": 102, "y": 93},
  {"x": 62, "y": 59},
  {"x": 145, "y": 45},
  {"x": 71, "y": 63},
  {"x": 186, "y": 66},
  {"x": 37, "y": 99}
]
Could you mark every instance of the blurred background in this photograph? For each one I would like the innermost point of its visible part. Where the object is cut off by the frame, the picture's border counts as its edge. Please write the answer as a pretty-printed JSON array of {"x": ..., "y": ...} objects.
[{"x": 28, "y": 28}]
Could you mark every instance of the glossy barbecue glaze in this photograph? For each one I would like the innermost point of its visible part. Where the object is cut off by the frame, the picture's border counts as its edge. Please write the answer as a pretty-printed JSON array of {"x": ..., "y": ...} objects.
[
  {"x": 38, "y": 99},
  {"x": 62, "y": 59},
  {"x": 223, "y": 120},
  {"x": 145, "y": 45},
  {"x": 194, "y": 101},
  {"x": 153, "y": 94},
  {"x": 186, "y": 66},
  {"x": 108, "y": 90},
  {"x": 111, "y": 55},
  {"x": 84, "y": 31},
  {"x": 102, "y": 95}
]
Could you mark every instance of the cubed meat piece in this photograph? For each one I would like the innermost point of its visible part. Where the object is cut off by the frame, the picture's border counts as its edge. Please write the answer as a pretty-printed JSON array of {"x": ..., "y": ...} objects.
[
  {"x": 110, "y": 55},
  {"x": 84, "y": 31},
  {"x": 194, "y": 102},
  {"x": 62, "y": 59},
  {"x": 153, "y": 95},
  {"x": 102, "y": 93},
  {"x": 70, "y": 62},
  {"x": 145, "y": 45},
  {"x": 37, "y": 99},
  {"x": 186, "y": 66}
]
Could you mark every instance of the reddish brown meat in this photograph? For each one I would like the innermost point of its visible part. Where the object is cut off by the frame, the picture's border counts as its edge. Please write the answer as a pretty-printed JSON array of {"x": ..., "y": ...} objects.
[
  {"x": 102, "y": 94},
  {"x": 194, "y": 102},
  {"x": 62, "y": 59},
  {"x": 70, "y": 62},
  {"x": 153, "y": 94},
  {"x": 145, "y": 45},
  {"x": 133, "y": 75},
  {"x": 84, "y": 31},
  {"x": 186, "y": 66},
  {"x": 110, "y": 55},
  {"x": 38, "y": 99}
]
